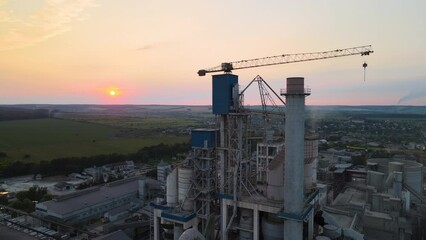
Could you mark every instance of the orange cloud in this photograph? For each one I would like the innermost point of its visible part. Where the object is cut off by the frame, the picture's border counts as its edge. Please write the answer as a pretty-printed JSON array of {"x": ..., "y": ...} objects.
[{"x": 53, "y": 18}]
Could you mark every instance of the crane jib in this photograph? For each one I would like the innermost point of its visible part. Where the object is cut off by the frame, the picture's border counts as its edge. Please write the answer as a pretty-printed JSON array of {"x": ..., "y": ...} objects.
[{"x": 227, "y": 67}]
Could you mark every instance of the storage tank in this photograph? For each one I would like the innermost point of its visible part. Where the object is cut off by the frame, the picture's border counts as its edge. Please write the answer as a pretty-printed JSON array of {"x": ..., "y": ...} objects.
[
  {"x": 172, "y": 189},
  {"x": 272, "y": 229},
  {"x": 396, "y": 167},
  {"x": 184, "y": 184},
  {"x": 275, "y": 178},
  {"x": 413, "y": 175},
  {"x": 331, "y": 231},
  {"x": 412, "y": 171},
  {"x": 311, "y": 162},
  {"x": 246, "y": 222},
  {"x": 310, "y": 176}
]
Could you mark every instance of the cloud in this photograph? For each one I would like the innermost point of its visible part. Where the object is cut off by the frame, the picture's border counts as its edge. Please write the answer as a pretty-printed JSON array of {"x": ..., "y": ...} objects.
[
  {"x": 146, "y": 47},
  {"x": 53, "y": 18},
  {"x": 6, "y": 16}
]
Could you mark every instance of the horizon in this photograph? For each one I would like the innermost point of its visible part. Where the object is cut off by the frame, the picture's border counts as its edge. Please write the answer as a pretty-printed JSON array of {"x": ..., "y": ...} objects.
[{"x": 191, "y": 105}]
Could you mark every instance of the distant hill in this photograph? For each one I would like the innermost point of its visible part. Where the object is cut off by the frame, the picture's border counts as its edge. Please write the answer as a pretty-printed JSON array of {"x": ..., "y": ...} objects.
[
  {"x": 13, "y": 113},
  {"x": 135, "y": 109}
]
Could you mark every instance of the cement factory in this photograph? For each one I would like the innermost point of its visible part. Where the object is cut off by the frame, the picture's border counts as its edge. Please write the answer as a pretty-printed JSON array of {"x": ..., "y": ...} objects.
[
  {"x": 244, "y": 183},
  {"x": 226, "y": 191}
]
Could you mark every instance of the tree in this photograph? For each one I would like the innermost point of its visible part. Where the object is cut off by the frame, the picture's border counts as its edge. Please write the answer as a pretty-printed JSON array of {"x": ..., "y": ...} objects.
[{"x": 3, "y": 199}]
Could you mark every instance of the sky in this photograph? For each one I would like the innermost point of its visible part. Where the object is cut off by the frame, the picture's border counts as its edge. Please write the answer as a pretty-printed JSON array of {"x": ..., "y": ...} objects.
[{"x": 148, "y": 52}]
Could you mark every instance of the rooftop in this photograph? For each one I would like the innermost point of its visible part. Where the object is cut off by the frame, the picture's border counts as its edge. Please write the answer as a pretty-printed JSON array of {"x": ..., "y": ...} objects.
[{"x": 92, "y": 197}]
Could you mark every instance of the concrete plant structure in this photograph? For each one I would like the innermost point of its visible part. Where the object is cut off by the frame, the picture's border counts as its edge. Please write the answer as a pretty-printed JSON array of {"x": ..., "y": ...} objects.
[
  {"x": 227, "y": 192},
  {"x": 222, "y": 184}
]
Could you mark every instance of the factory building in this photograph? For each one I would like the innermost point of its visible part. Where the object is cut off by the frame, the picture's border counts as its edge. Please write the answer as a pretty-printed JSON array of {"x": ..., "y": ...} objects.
[{"x": 77, "y": 208}]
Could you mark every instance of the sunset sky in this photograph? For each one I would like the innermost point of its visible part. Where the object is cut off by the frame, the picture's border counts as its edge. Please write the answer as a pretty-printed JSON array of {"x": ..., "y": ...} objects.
[{"x": 148, "y": 52}]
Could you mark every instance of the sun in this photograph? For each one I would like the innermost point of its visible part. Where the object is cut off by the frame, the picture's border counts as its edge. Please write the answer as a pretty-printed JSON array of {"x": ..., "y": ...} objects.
[{"x": 112, "y": 93}]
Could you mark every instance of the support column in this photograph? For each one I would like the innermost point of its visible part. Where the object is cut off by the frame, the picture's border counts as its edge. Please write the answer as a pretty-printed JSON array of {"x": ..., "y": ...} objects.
[
  {"x": 255, "y": 224},
  {"x": 311, "y": 226},
  {"x": 224, "y": 209},
  {"x": 156, "y": 226}
]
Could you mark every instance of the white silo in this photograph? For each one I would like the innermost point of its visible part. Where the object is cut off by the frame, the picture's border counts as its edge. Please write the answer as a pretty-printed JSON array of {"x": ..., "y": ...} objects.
[
  {"x": 184, "y": 185},
  {"x": 172, "y": 188}
]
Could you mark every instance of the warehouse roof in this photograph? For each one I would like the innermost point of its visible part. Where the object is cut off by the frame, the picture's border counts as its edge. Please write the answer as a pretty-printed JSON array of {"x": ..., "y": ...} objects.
[{"x": 93, "y": 197}]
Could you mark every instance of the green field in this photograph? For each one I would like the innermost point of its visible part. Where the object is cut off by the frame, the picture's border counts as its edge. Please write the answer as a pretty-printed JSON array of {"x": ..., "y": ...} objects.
[
  {"x": 148, "y": 123},
  {"x": 46, "y": 139}
]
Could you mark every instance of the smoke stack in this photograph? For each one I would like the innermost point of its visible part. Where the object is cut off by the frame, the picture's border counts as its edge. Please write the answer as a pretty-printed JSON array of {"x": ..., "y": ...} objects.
[{"x": 294, "y": 155}]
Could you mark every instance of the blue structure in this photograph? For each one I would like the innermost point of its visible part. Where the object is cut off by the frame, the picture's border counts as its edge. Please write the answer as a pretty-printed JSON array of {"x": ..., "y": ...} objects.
[
  {"x": 200, "y": 137},
  {"x": 222, "y": 92}
]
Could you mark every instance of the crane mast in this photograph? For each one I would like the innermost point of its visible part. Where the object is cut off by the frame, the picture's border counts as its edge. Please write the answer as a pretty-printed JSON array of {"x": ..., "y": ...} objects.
[{"x": 227, "y": 67}]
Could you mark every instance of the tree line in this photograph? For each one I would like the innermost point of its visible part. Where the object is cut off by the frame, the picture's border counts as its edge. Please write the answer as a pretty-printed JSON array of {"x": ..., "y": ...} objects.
[
  {"x": 10, "y": 113},
  {"x": 64, "y": 166}
]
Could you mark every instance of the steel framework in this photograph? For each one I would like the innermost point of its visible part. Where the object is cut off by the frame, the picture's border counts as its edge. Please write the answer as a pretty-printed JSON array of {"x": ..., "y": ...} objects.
[{"x": 227, "y": 67}]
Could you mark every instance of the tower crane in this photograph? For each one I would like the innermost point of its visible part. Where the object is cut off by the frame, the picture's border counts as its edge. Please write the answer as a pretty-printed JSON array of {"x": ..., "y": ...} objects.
[{"x": 227, "y": 67}]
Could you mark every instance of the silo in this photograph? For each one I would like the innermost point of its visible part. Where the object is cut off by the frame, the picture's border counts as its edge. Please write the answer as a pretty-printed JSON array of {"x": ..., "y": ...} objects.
[
  {"x": 412, "y": 171},
  {"x": 246, "y": 222},
  {"x": 395, "y": 167},
  {"x": 272, "y": 229},
  {"x": 172, "y": 188},
  {"x": 413, "y": 175},
  {"x": 311, "y": 163},
  {"x": 331, "y": 231},
  {"x": 184, "y": 184},
  {"x": 275, "y": 179},
  {"x": 375, "y": 179},
  {"x": 310, "y": 176}
]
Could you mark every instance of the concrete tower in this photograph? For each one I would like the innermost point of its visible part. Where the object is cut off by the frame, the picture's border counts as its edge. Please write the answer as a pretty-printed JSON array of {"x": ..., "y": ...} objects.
[{"x": 294, "y": 156}]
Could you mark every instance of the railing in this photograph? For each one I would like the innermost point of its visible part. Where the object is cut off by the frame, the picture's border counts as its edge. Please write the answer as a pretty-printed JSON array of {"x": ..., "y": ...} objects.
[{"x": 306, "y": 91}]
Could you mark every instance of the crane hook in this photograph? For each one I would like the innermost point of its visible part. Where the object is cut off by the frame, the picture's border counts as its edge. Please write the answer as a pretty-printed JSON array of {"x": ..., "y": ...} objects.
[{"x": 364, "y": 66}]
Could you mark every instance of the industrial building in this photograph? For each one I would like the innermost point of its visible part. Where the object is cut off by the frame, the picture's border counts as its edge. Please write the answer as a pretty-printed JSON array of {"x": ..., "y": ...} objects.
[
  {"x": 92, "y": 203},
  {"x": 250, "y": 191}
]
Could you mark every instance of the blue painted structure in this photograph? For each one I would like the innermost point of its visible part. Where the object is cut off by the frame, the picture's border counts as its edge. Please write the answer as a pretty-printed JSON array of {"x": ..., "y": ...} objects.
[
  {"x": 181, "y": 217},
  {"x": 222, "y": 92},
  {"x": 201, "y": 136}
]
